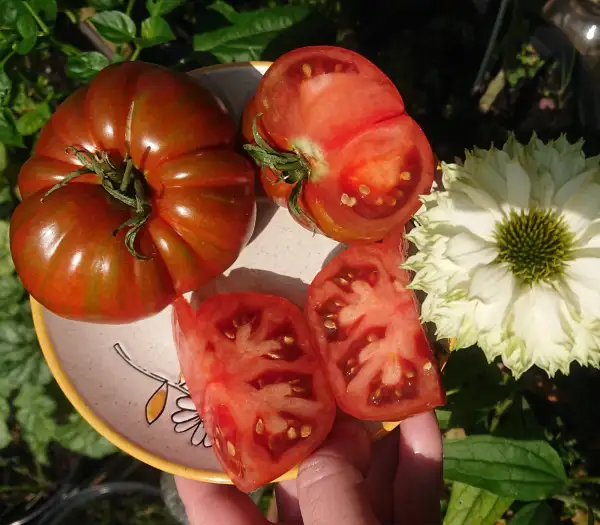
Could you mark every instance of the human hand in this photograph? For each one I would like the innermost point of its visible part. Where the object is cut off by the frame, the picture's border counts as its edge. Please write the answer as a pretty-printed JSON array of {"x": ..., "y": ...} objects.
[{"x": 348, "y": 481}]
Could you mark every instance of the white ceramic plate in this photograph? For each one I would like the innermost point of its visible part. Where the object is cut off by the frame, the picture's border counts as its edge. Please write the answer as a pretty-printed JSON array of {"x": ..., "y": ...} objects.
[{"x": 125, "y": 379}]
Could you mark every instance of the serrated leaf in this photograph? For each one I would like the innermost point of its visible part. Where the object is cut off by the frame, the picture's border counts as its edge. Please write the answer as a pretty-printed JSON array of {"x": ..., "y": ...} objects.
[
  {"x": 5, "y": 84},
  {"x": 104, "y": 5},
  {"x": 46, "y": 8},
  {"x": 34, "y": 415},
  {"x": 8, "y": 129},
  {"x": 115, "y": 26},
  {"x": 77, "y": 435},
  {"x": 11, "y": 294},
  {"x": 21, "y": 360},
  {"x": 522, "y": 470},
  {"x": 252, "y": 31},
  {"x": 86, "y": 65},
  {"x": 155, "y": 31},
  {"x": 9, "y": 13},
  {"x": 538, "y": 513},
  {"x": 162, "y": 7},
  {"x": 32, "y": 121},
  {"x": 469, "y": 505}
]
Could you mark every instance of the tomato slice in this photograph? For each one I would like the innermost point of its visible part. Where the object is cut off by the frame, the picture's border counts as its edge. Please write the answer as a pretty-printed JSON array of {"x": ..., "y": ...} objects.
[
  {"x": 336, "y": 146},
  {"x": 257, "y": 380},
  {"x": 366, "y": 322}
]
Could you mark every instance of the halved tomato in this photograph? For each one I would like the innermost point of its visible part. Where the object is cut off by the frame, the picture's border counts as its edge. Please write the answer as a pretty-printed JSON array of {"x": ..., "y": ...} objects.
[
  {"x": 378, "y": 359},
  {"x": 257, "y": 381},
  {"x": 334, "y": 143}
]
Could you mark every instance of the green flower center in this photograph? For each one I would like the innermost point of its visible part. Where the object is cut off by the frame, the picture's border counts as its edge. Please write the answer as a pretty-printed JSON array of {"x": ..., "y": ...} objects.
[{"x": 536, "y": 245}]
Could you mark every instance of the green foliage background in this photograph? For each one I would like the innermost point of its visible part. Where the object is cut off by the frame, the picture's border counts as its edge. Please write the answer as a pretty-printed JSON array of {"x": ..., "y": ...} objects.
[{"x": 519, "y": 461}]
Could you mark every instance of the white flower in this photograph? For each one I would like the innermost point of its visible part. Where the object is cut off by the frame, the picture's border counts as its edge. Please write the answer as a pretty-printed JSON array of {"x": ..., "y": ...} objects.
[{"x": 509, "y": 255}]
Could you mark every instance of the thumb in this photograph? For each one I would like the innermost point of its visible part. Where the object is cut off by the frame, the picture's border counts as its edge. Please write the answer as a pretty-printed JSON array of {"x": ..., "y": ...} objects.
[{"x": 331, "y": 482}]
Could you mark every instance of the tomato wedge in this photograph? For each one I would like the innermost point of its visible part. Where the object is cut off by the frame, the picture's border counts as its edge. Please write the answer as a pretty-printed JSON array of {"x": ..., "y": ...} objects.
[
  {"x": 335, "y": 145},
  {"x": 257, "y": 381},
  {"x": 366, "y": 322}
]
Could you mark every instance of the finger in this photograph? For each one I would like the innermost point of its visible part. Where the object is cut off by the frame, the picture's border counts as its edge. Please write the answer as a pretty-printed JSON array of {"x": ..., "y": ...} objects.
[
  {"x": 331, "y": 482},
  {"x": 418, "y": 483},
  {"x": 381, "y": 474},
  {"x": 210, "y": 504},
  {"x": 286, "y": 496}
]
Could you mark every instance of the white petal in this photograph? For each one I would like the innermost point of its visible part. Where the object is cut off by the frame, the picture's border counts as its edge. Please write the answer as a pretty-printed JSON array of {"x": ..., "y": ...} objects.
[
  {"x": 538, "y": 322},
  {"x": 570, "y": 188},
  {"x": 468, "y": 251},
  {"x": 582, "y": 208},
  {"x": 518, "y": 186},
  {"x": 460, "y": 212},
  {"x": 491, "y": 281},
  {"x": 585, "y": 270},
  {"x": 492, "y": 315}
]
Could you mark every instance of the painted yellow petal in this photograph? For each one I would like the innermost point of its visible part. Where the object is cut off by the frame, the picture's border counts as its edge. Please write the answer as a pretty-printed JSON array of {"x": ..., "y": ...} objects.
[{"x": 156, "y": 404}]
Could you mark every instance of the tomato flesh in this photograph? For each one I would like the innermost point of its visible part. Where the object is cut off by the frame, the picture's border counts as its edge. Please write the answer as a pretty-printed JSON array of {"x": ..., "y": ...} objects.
[
  {"x": 378, "y": 359},
  {"x": 201, "y": 194},
  {"x": 368, "y": 160},
  {"x": 256, "y": 379}
]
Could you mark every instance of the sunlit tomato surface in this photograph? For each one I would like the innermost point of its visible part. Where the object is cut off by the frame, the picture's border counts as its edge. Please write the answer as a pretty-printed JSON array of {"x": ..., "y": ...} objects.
[
  {"x": 378, "y": 359},
  {"x": 196, "y": 197},
  {"x": 257, "y": 381},
  {"x": 333, "y": 123}
]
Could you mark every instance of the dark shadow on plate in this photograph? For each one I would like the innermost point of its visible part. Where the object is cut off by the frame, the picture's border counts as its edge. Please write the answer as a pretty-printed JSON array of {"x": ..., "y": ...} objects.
[
  {"x": 265, "y": 210},
  {"x": 251, "y": 280}
]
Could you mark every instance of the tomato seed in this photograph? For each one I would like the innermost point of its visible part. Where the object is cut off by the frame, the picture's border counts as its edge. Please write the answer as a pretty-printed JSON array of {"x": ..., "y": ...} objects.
[
  {"x": 307, "y": 70},
  {"x": 291, "y": 433},
  {"x": 229, "y": 335},
  {"x": 288, "y": 340},
  {"x": 372, "y": 338},
  {"x": 274, "y": 355},
  {"x": 305, "y": 431},
  {"x": 329, "y": 324},
  {"x": 364, "y": 190},
  {"x": 398, "y": 393},
  {"x": 406, "y": 175},
  {"x": 379, "y": 201},
  {"x": 235, "y": 323},
  {"x": 427, "y": 366},
  {"x": 410, "y": 373},
  {"x": 390, "y": 201},
  {"x": 231, "y": 448},
  {"x": 343, "y": 282},
  {"x": 260, "y": 426},
  {"x": 338, "y": 68},
  {"x": 346, "y": 200},
  {"x": 297, "y": 389}
]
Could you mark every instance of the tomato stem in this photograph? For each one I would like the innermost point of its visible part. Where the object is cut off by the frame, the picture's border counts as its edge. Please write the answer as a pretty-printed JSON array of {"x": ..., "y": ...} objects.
[
  {"x": 117, "y": 186},
  {"x": 287, "y": 167}
]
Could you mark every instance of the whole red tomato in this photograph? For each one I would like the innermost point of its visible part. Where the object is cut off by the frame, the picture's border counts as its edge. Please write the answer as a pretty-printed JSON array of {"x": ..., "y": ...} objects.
[
  {"x": 133, "y": 196},
  {"x": 255, "y": 377},
  {"x": 367, "y": 326},
  {"x": 335, "y": 145}
]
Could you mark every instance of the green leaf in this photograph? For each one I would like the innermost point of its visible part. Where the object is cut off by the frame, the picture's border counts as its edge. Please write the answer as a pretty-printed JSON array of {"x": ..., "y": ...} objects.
[
  {"x": 252, "y": 31},
  {"x": 11, "y": 294},
  {"x": 6, "y": 262},
  {"x": 46, "y": 8},
  {"x": 9, "y": 13},
  {"x": 522, "y": 470},
  {"x": 104, "y": 5},
  {"x": 443, "y": 417},
  {"x": 162, "y": 7},
  {"x": 469, "y": 505},
  {"x": 8, "y": 129},
  {"x": 224, "y": 9},
  {"x": 77, "y": 435},
  {"x": 115, "y": 26},
  {"x": 21, "y": 360},
  {"x": 34, "y": 415},
  {"x": 5, "y": 84},
  {"x": 538, "y": 513},
  {"x": 32, "y": 121},
  {"x": 27, "y": 28},
  {"x": 5, "y": 436},
  {"x": 86, "y": 65},
  {"x": 155, "y": 30}
]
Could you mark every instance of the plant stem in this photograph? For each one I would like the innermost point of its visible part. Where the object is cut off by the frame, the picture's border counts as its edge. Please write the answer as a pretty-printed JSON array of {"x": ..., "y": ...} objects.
[
  {"x": 24, "y": 488},
  {"x": 576, "y": 502},
  {"x": 585, "y": 479},
  {"x": 136, "y": 53},
  {"x": 129, "y": 7},
  {"x": 8, "y": 56},
  {"x": 38, "y": 20},
  {"x": 67, "y": 49}
]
